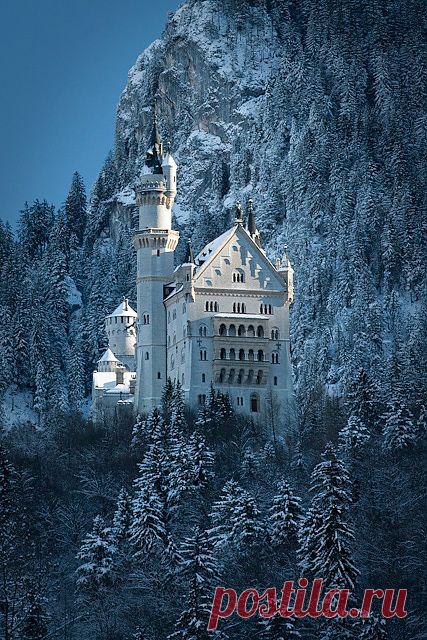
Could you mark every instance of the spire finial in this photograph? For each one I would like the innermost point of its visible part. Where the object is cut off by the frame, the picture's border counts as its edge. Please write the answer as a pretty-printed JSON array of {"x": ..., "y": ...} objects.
[
  {"x": 251, "y": 218},
  {"x": 169, "y": 147},
  {"x": 125, "y": 303},
  {"x": 239, "y": 212},
  {"x": 190, "y": 256}
]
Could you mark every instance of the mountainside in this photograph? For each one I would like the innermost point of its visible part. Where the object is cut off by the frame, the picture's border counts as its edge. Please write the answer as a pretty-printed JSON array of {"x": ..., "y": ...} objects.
[{"x": 320, "y": 115}]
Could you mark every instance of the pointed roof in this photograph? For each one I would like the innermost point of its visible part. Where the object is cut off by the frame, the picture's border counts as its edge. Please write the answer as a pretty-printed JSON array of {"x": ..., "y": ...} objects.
[
  {"x": 209, "y": 253},
  {"x": 108, "y": 356},
  {"x": 124, "y": 309},
  {"x": 154, "y": 155}
]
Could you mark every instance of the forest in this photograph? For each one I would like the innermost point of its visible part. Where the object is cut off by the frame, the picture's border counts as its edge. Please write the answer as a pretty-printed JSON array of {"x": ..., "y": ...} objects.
[{"x": 122, "y": 530}]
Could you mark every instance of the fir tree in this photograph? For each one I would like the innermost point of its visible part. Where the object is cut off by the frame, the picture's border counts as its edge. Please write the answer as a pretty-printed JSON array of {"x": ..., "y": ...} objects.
[
  {"x": 96, "y": 571},
  {"x": 399, "y": 428},
  {"x": 199, "y": 570},
  {"x": 354, "y": 436},
  {"x": 148, "y": 527},
  {"x": 36, "y": 618},
  {"x": 76, "y": 207},
  {"x": 285, "y": 516}
]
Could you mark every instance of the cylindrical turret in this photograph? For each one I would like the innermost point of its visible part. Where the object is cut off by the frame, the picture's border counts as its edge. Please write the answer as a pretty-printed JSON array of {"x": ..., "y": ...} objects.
[{"x": 120, "y": 327}]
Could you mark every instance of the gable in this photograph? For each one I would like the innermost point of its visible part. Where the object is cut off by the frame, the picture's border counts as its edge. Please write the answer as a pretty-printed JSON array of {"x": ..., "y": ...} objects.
[{"x": 238, "y": 263}]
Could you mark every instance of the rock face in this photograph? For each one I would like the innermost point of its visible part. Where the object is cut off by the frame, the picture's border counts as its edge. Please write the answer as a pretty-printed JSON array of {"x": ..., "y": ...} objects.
[{"x": 317, "y": 113}]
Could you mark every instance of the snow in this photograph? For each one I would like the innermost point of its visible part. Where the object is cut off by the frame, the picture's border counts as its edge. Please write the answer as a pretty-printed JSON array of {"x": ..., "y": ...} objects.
[
  {"x": 17, "y": 408},
  {"x": 107, "y": 381},
  {"x": 126, "y": 196},
  {"x": 74, "y": 297},
  {"x": 108, "y": 356},
  {"x": 121, "y": 310},
  {"x": 213, "y": 247}
]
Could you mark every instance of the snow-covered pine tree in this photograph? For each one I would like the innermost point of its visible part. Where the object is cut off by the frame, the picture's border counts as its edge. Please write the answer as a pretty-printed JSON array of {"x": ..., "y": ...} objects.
[
  {"x": 76, "y": 207},
  {"x": 235, "y": 518},
  {"x": 326, "y": 537},
  {"x": 399, "y": 426},
  {"x": 285, "y": 516},
  {"x": 148, "y": 526},
  {"x": 36, "y": 617},
  {"x": 200, "y": 571},
  {"x": 354, "y": 436},
  {"x": 96, "y": 571}
]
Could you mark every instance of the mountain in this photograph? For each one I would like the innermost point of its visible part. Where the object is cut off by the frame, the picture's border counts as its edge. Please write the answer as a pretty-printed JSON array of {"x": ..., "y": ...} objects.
[{"x": 319, "y": 114}]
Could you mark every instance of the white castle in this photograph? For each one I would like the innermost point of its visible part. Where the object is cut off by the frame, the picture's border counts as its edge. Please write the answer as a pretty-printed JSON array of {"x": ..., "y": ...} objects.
[{"x": 221, "y": 318}]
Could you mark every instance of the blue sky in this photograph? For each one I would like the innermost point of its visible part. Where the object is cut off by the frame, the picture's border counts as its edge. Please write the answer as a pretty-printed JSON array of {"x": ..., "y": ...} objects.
[{"x": 63, "y": 65}]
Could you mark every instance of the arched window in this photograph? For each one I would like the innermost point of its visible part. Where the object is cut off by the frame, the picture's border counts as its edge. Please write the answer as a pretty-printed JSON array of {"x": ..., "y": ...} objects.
[
  {"x": 222, "y": 375},
  {"x": 216, "y": 306},
  {"x": 250, "y": 376},
  {"x": 243, "y": 307},
  {"x": 241, "y": 354},
  {"x": 241, "y": 376},
  {"x": 203, "y": 377},
  {"x": 261, "y": 308},
  {"x": 202, "y": 331},
  {"x": 251, "y": 356},
  {"x": 241, "y": 331},
  {"x": 147, "y": 355},
  {"x": 223, "y": 354},
  {"x": 260, "y": 332},
  {"x": 275, "y": 334},
  {"x": 251, "y": 331},
  {"x": 222, "y": 330},
  {"x": 259, "y": 377},
  {"x": 232, "y": 354},
  {"x": 207, "y": 306},
  {"x": 260, "y": 355},
  {"x": 211, "y": 306},
  {"x": 254, "y": 403},
  {"x": 146, "y": 318},
  {"x": 231, "y": 376},
  {"x": 232, "y": 330},
  {"x": 203, "y": 354},
  {"x": 275, "y": 381},
  {"x": 275, "y": 358}
]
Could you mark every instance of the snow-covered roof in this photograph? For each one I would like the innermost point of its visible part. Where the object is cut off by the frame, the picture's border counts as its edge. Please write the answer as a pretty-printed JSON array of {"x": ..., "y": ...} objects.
[
  {"x": 108, "y": 356},
  {"x": 168, "y": 161},
  {"x": 212, "y": 247},
  {"x": 108, "y": 382},
  {"x": 124, "y": 309},
  {"x": 246, "y": 316}
]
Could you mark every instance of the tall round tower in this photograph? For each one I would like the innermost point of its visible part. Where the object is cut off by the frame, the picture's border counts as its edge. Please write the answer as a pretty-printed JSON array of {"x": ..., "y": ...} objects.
[
  {"x": 120, "y": 327},
  {"x": 155, "y": 243}
]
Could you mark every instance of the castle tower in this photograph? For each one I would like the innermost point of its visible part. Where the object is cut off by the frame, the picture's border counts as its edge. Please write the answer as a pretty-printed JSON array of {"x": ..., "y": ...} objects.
[
  {"x": 155, "y": 243},
  {"x": 120, "y": 327}
]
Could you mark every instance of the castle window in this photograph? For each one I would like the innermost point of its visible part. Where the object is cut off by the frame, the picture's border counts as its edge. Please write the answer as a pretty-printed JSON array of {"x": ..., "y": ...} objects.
[
  {"x": 239, "y": 401},
  {"x": 223, "y": 354},
  {"x": 232, "y": 330},
  {"x": 241, "y": 376},
  {"x": 203, "y": 377},
  {"x": 231, "y": 376},
  {"x": 259, "y": 377},
  {"x": 254, "y": 403},
  {"x": 275, "y": 381},
  {"x": 270, "y": 309},
  {"x": 251, "y": 356},
  {"x": 202, "y": 331},
  {"x": 188, "y": 277},
  {"x": 251, "y": 331},
  {"x": 241, "y": 331},
  {"x": 222, "y": 375},
  {"x": 260, "y": 332},
  {"x": 158, "y": 252},
  {"x": 203, "y": 354},
  {"x": 115, "y": 319},
  {"x": 232, "y": 354},
  {"x": 275, "y": 334},
  {"x": 260, "y": 355},
  {"x": 238, "y": 276},
  {"x": 201, "y": 398},
  {"x": 174, "y": 314},
  {"x": 275, "y": 358},
  {"x": 182, "y": 355},
  {"x": 216, "y": 306},
  {"x": 250, "y": 376},
  {"x": 159, "y": 375},
  {"x": 146, "y": 318},
  {"x": 241, "y": 354},
  {"x": 147, "y": 355},
  {"x": 207, "y": 306},
  {"x": 222, "y": 330}
]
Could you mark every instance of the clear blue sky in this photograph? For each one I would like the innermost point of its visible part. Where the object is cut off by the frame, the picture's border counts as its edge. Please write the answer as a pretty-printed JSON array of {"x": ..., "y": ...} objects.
[{"x": 63, "y": 65}]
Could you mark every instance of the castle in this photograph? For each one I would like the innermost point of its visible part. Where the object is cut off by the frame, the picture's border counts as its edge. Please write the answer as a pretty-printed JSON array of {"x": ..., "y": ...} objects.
[{"x": 219, "y": 318}]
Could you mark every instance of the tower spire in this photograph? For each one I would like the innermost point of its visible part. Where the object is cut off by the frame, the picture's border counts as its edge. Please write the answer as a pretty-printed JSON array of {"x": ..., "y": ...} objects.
[{"x": 154, "y": 155}]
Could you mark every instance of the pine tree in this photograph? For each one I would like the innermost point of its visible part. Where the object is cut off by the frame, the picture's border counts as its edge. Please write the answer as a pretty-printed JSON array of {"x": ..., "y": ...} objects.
[
  {"x": 277, "y": 628},
  {"x": 235, "y": 518},
  {"x": 354, "y": 436},
  {"x": 285, "y": 516},
  {"x": 399, "y": 426},
  {"x": 96, "y": 571},
  {"x": 148, "y": 527},
  {"x": 36, "y": 618},
  {"x": 76, "y": 207},
  {"x": 199, "y": 570},
  {"x": 326, "y": 538}
]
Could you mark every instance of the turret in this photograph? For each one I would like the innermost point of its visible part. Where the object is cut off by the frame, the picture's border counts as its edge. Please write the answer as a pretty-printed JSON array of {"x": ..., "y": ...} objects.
[
  {"x": 169, "y": 172},
  {"x": 120, "y": 327},
  {"x": 284, "y": 267}
]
